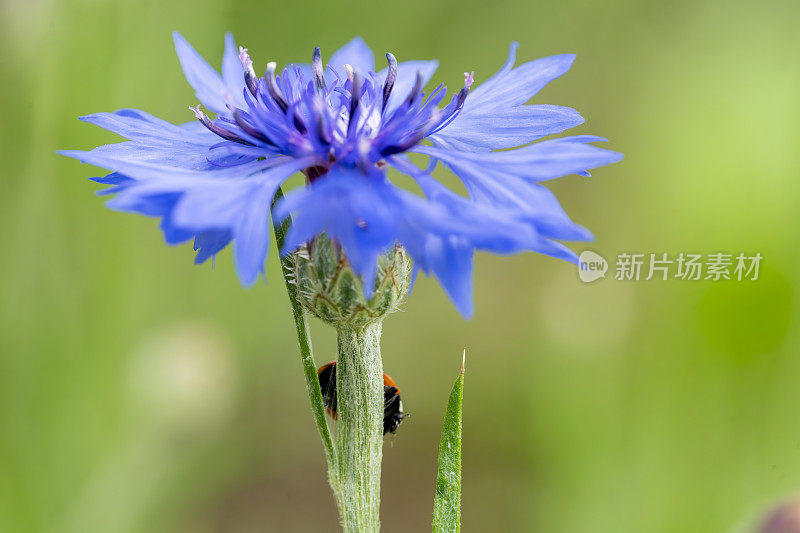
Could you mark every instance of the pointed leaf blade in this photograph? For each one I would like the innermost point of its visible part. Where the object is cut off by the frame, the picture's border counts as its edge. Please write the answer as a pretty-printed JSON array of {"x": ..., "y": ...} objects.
[{"x": 447, "y": 503}]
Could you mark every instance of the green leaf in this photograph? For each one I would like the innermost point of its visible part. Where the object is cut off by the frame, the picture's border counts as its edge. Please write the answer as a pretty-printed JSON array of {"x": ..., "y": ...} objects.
[{"x": 447, "y": 503}]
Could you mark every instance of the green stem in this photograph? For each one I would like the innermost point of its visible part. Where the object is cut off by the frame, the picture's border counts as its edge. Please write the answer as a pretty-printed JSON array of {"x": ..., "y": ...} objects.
[
  {"x": 354, "y": 464},
  {"x": 359, "y": 438},
  {"x": 304, "y": 339}
]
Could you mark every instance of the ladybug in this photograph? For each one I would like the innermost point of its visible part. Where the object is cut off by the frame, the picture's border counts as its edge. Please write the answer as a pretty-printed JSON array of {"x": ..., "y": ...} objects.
[{"x": 392, "y": 405}]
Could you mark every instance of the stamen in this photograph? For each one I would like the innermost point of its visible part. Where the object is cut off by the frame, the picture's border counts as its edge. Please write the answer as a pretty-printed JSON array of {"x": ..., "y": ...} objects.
[
  {"x": 457, "y": 104},
  {"x": 355, "y": 97},
  {"x": 272, "y": 86},
  {"x": 412, "y": 140},
  {"x": 213, "y": 128},
  {"x": 244, "y": 57},
  {"x": 391, "y": 76},
  {"x": 316, "y": 67},
  {"x": 318, "y": 108},
  {"x": 462, "y": 94},
  {"x": 415, "y": 90},
  {"x": 297, "y": 121},
  {"x": 289, "y": 113},
  {"x": 250, "y": 78},
  {"x": 441, "y": 88},
  {"x": 199, "y": 115},
  {"x": 469, "y": 79},
  {"x": 252, "y": 132},
  {"x": 228, "y": 101}
]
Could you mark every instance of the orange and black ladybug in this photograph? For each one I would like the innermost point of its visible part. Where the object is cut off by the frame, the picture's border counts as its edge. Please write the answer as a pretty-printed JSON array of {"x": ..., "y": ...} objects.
[{"x": 392, "y": 405}]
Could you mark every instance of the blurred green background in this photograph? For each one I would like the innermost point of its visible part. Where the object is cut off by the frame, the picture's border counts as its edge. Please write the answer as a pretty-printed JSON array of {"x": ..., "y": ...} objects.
[{"x": 140, "y": 393}]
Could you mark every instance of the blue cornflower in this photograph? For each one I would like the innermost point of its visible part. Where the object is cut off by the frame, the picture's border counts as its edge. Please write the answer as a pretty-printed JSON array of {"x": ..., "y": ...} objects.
[{"x": 343, "y": 125}]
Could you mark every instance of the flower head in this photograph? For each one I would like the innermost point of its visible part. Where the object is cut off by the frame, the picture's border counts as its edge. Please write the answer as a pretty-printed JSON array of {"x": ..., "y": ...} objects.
[{"x": 344, "y": 124}]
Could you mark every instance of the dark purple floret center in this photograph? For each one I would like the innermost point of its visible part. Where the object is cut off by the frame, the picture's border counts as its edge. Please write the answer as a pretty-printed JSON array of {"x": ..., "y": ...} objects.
[{"x": 348, "y": 117}]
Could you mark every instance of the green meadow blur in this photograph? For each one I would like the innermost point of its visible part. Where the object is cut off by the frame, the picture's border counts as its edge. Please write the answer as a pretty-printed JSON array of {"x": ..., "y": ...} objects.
[{"x": 140, "y": 393}]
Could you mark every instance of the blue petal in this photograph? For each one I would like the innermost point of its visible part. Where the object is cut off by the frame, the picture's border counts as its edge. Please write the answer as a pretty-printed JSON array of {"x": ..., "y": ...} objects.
[
  {"x": 112, "y": 179},
  {"x": 515, "y": 86},
  {"x": 169, "y": 155},
  {"x": 117, "y": 181},
  {"x": 192, "y": 203},
  {"x": 153, "y": 205},
  {"x": 511, "y": 195},
  {"x": 209, "y": 87},
  {"x": 441, "y": 235},
  {"x": 504, "y": 180},
  {"x": 367, "y": 215},
  {"x": 135, "y": 124},
  {"x": 174, "y": 234},
  {"x": 350, "y": 207},
  {"x": 209, "y": 243},
  {"x": 252, "y": 234},
  {"x": 451, "y": 262},
  {"x": 493, "y": 115},
  {"x": 469, "y": 224},
  {"x": 357, "y": 54},
  {"x": 152, "y": 139},
  {"x": 501, "y": 224},
  {"x": 118, "y": 158},
  {"x": 506, "y": 128},
  {"x": 233, "y": 72},
  {"x": 540, "y": 161}
]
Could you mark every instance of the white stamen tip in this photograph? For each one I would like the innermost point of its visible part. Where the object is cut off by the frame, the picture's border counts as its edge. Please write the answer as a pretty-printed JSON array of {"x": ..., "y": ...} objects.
[
  {"x": 469, "y": 78},
  {"x": 244, "y": 57},
  {"x": 197, "y": 113}
]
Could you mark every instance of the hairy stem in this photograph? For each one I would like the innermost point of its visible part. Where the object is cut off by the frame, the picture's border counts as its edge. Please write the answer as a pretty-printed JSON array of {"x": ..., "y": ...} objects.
[
  {"x": 354, "y": 463},
  {"x": 359, "y": 438}
]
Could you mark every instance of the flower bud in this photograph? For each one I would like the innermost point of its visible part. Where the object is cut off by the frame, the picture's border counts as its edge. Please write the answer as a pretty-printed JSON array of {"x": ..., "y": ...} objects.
[{"x": 329, "y": 289}]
